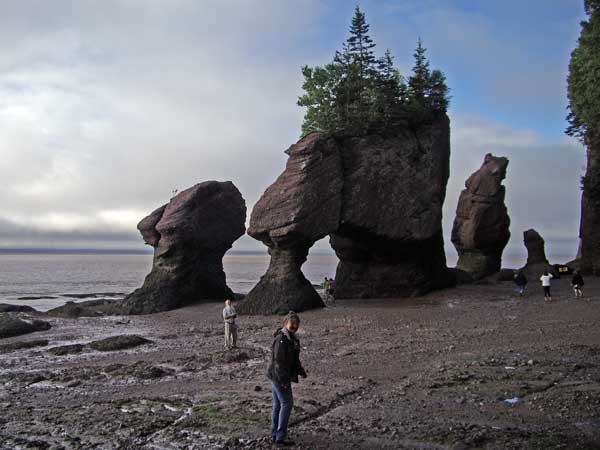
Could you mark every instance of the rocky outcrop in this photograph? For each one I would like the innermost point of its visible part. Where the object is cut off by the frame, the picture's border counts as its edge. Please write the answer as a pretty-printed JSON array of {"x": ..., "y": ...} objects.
[
  {"x": 13, "y": 326},
  {"x": 379, "y": 198},
  {"x": 301, "y": 207},
  {"x": 190, "y": 236},
  {"x": 481, "y": 227},
  {"x": 120, "y": 342},
  {"x": 536, "y": 256},
  {"x": 536, "y": 253},
  {"x": 390, "y": 241}
]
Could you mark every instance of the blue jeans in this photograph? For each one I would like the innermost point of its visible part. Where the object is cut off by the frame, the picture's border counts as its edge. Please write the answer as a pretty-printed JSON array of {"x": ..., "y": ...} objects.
[{"x": 283, "y": 401}]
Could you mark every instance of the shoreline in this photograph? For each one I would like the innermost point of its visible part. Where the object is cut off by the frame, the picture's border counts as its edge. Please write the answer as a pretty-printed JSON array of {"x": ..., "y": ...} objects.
[{"x": 428, "y": 372}]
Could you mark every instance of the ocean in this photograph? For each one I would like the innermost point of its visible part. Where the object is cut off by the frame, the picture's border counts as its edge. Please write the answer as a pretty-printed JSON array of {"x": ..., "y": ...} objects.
[
  {"x": 70, "y": 277},
  {"x": 66, "y": 277}
]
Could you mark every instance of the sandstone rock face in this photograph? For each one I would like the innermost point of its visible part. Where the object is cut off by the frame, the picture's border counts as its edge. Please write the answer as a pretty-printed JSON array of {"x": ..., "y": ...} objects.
[
  {"x": 378, "y": 197},
  {"x": 301, "y": 207},
  {"x": 481, "y": 227},
  {"x": 589, "y": 229},
  {"x": 536, "y": 256},
  {"x": 390, "y": 240},
  {"x": 190, "y": 236},
  {"x": 536, "y": 253}
]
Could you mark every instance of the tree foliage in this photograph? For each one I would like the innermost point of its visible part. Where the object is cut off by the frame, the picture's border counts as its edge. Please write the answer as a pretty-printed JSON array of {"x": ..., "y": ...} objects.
[
  {"x": 584, "y": 76},
  {"x": 358, "y": 93},
  {"x": 584, "y": 95}
]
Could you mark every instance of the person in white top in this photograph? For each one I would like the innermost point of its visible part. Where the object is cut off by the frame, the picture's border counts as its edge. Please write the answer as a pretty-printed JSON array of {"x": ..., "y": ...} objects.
[
  {"x": 230, "y": 316},
  {"x": 545, "y": 279}
]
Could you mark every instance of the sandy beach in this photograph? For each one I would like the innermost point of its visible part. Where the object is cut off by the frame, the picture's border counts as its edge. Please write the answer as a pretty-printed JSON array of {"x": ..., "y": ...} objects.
[{"x": 473, "y": 367}]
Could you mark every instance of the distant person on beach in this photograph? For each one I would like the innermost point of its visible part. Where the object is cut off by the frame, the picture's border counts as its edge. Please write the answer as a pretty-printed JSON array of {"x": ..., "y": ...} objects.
[
  {"x": 284, "y": 370},
  {"x": 521, "y": 282},
  {"x": 332, "y": 288},
  {"x": 545, "y": 279},
  {"x": 229, "y": 316},
  {"x": 577, "y": 283},
  {"x": 326, "y": 287}
]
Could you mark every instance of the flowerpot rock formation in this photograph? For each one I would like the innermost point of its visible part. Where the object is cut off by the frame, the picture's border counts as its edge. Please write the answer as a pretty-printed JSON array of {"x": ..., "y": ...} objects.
[
  {"x": 190, "y": 236},
  {"x": 379, "y": 198}
]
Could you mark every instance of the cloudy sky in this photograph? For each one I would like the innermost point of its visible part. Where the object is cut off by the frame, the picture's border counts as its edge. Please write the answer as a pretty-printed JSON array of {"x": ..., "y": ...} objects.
[{"x": 107, "y": 106}]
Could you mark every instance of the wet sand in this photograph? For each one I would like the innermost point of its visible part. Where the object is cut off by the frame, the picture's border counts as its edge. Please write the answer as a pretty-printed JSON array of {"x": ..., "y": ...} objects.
[{"x": 427, "y": 373}]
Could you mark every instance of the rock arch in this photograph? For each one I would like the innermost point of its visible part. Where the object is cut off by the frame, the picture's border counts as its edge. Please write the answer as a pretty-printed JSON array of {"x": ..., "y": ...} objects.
[{"x": 379, "y": 198}]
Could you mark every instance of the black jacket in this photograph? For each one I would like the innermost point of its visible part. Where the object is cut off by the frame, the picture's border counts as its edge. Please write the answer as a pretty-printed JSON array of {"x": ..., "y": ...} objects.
[
  {"x": 285, "y": 359},
  {"x": 520, "y": 279},
  {"x": 577, "y": 280}
]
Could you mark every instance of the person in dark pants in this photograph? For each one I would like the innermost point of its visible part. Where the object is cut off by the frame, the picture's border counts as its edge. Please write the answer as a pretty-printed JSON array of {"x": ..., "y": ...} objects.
[
  {"x": 521, "y": 282},
  {"x": 577, "y": 283},
  {"x": 284, "y": 369}
]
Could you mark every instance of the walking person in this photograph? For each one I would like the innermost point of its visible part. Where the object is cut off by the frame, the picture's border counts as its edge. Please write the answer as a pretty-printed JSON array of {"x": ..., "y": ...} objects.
[
  {"x": 326, "y": 288},
  {"x": 332, "y": 288},
  {"x": 577, "y": 283},
  {"x": 230, "y": 316},
  {"x": 545, "y": 279},
  {"x": 284, "y": 369},
  {"x": 521, "y": 282}
]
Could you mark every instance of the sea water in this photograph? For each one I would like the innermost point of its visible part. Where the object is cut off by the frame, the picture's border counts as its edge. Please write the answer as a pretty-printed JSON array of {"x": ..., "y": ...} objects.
[{"x": 59, "y": 276}]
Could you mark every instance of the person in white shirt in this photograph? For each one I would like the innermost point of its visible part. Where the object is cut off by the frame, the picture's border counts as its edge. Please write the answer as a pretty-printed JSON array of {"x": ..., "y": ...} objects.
[
  {"x": 229, "y": 316},
  {"x": 545, "y": 279}
]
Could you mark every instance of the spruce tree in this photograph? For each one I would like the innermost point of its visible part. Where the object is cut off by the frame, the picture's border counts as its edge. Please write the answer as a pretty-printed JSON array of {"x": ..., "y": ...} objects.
[
  {"x": 357, "y": 93},
  {"x": 419, "y": 80}
]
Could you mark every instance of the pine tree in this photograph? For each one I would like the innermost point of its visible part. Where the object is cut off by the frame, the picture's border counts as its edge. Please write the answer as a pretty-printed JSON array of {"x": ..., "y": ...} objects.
[
  {"x": 427, "y": 89},
  {"x": 357, "y": 93},
  {"x": 438, "y": 92},
  {"x": 360, "y": 45},
  {"x": 359, "y": 69},
  {"x": 391, "y": 93},
  {"x": 419, "y": 81}
]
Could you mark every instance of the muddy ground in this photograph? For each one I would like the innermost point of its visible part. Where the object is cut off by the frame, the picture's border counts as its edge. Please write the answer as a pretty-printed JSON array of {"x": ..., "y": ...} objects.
[{"x": 428, "y": 373}]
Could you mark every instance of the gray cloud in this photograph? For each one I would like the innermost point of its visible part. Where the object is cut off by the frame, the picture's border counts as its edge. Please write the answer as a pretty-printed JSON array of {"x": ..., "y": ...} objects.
[{"x": 106, "y": 107}]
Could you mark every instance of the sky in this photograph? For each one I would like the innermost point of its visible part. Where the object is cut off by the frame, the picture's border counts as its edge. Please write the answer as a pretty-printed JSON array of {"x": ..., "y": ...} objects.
[{"x": 108, "y": 106}]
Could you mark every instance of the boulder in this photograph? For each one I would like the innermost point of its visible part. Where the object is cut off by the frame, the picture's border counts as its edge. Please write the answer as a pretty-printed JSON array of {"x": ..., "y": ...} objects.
[
  {"x": 5, "y": 307},
  {"x": 378, "y": 197},
  {"x": 120, "y": 342},
  {"x": 12, "y": 326},
  {"x": 301, "y": 207},
  {"x": 72, "y": 310},
  {"x": 190, "y": 236},
  {"x": 13, "y": 346},
  {"x": 63, "y": 350},
  {"x": 481, "y": 227}
]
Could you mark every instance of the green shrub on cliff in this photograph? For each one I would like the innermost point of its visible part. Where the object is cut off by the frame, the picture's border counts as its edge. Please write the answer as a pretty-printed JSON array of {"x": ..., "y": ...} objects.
[{"x": 358, "y": 93}]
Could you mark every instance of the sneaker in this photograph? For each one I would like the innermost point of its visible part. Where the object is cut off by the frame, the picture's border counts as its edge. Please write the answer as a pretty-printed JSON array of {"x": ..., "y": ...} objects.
[{"x": 285, "y": 443}]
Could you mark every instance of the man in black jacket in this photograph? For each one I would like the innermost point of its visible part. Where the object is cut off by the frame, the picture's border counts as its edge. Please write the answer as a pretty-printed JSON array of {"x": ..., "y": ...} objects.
[{"x": 284, "y": 370}]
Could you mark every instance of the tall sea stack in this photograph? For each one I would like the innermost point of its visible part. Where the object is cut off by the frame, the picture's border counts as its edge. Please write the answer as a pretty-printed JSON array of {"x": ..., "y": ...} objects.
[{"x": 481, "y": 227}]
